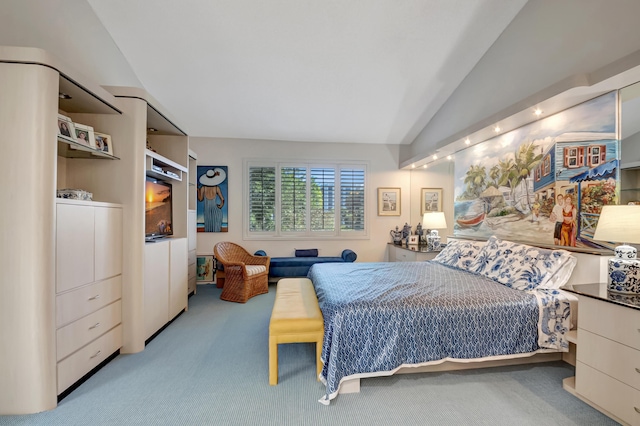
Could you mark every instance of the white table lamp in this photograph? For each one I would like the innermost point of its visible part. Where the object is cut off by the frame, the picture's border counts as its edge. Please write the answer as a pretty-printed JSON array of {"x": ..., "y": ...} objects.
[
  {"x": 432, "y": 221},
  {"x": 621, "y": 224}
]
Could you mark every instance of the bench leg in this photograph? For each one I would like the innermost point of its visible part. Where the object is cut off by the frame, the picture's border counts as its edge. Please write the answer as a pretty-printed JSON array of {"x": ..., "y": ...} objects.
[
  {"x": 273, "y": 361},
  {"x": 318, "y": 355}
]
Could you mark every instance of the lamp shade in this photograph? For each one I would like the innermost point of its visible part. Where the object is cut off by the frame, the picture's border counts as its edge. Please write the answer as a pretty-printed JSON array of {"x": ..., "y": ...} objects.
[
  {"x": 619, "y": 224},
  {"x": 434, "y": 220}
]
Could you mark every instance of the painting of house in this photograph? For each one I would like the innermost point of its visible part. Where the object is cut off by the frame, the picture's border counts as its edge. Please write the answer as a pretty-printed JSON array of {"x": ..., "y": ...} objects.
[{"x": 509, "y": 185}]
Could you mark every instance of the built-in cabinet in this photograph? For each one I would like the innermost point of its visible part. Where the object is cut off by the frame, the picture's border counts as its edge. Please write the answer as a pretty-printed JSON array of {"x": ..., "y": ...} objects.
[
  {"x": 88, "y": 287},
  {"x": 192, "y": 218},
  {"x": 73, "y": 287},
  {"x": 608, "y": 353}
]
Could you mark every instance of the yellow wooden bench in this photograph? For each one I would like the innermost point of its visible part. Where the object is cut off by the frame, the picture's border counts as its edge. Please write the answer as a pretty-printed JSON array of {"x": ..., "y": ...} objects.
[{"x": 295, "y": 318}]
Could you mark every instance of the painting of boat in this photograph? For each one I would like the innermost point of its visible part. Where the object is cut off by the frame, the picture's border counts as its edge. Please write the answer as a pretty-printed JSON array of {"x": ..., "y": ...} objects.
[{"x": 471, "y": 220}]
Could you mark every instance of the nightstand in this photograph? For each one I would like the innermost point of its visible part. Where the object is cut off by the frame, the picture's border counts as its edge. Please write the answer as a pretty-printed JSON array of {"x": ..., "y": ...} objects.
[{"x": 608, "y": 352}]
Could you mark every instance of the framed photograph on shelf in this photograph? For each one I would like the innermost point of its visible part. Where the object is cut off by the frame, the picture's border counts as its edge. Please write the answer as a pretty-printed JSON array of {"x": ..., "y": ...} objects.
[
  {"x": 84, "y": 135},
  {"x": 103, "y": 143},
  {"x": 430, "y": 200},
  {"x": 66, "y": 129},
  {"x": 388, "y": 201},
  {"x": 205, "y": 269},
  {"x": 413, "y": 239}
]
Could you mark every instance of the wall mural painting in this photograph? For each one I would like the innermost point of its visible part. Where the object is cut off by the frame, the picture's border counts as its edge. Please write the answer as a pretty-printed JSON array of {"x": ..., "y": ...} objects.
[
  {"x": 212, "y": 199},
  {"x": 545, "y": 182}
]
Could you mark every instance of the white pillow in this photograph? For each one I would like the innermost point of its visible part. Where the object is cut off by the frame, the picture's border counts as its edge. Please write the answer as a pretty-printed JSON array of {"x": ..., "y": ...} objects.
[
  {"x": 459, "y": 254},
  {"x": 523, "y": 267}
]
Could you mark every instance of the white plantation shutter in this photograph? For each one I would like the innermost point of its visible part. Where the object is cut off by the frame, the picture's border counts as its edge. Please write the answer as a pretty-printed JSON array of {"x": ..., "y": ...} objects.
[
  {"x": 262, "y": 199},
  {"x": 303, "y": 201},
  {"x": 293, "y": 199},
  {"x": 352, "y": 205},
  {"x": 323, "y": 199}
]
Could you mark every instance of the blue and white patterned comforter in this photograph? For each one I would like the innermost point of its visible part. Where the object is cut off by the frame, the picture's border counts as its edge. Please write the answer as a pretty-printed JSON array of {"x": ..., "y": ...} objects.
[{"x": 378, "y": 316}]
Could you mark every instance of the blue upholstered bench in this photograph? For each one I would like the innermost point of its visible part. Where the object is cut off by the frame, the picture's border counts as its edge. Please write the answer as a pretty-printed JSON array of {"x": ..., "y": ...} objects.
[{"x": 289, "y": 267}]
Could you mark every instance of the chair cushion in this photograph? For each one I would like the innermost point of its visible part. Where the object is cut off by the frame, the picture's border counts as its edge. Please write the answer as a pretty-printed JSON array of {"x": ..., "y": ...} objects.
[
  {"x": 255, "y": 269},
  {"x": 296, "y": 308}
]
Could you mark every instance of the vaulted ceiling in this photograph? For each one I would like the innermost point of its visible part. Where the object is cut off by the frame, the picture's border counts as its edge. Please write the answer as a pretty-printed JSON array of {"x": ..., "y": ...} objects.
[{"x": 364, "y": 71}]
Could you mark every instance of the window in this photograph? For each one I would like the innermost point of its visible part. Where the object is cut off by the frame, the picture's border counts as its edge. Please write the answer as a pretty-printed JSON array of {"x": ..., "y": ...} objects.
[
  {"x": 596, "y": 154},
  {"x": 574, "y": 157},
  {"x": 546, "y": 165},
  {"x": 305, "y": 200}
]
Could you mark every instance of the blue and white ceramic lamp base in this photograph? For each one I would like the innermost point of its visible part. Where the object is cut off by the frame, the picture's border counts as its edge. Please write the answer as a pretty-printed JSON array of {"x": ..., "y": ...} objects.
[{"x": 624, "y": 271}]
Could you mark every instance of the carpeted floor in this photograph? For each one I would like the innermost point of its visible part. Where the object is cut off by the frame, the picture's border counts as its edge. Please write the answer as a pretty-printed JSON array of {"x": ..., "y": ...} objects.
[{"x": 210, "y": 367}]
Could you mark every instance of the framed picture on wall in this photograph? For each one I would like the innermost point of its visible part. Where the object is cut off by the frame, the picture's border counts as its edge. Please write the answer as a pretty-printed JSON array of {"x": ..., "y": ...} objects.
[
  {"x": 205, "y": 269},
  {"x": 389, "y": 201},
  {"x": 430, "y": 200}
]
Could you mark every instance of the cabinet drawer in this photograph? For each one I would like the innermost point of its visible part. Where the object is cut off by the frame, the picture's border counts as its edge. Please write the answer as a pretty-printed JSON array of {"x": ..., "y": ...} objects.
[
  {"x": 71, "y": 369},
  {"x": 405, "y": 255},
  {"x": 192, "y": 272},
  {"x": 77, "y": 334},
  {"x": 619, "y": 399},
  {"x": 616, "y": 360},
  {"x": 611, "y": 321},
  {"x": 191, "y": 258},
  {"x": 85, "y": 300}
]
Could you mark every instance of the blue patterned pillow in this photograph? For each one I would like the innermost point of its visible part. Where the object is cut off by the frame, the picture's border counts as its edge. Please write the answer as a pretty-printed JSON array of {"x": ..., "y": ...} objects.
[
  {"x": 459, "y": 254},
  {"x": 521, "y": 266}
]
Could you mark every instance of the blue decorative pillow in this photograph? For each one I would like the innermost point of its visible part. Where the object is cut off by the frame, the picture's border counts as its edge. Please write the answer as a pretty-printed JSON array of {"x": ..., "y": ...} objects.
[
  {"x": 349, "y": 255},
  {"x": 260, "y": 253},
  {"x": 521, "y": 266},
  {"x": 459, "y": 254},
  {"x": 307, "y": 253}
]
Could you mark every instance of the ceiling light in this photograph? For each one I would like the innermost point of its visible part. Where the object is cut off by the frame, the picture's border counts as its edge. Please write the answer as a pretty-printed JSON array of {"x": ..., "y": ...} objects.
[
  {"x": 435, "y": 157},
  {"x": 413, "y": 166},
  {"x": 497, "y": 129},
  {"x": 152, "y": 129},
  {"x": 467, "y": 141},
  {"x": 424, "y": 167},
  {"x": 64, "y": 96},
  {"x": 449, "y": 157},
  {"x": 537, "y": 112}
]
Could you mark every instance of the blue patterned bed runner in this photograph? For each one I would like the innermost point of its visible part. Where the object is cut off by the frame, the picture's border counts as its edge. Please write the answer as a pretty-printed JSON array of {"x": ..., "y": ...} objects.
[{"x": 378, "y": 316}]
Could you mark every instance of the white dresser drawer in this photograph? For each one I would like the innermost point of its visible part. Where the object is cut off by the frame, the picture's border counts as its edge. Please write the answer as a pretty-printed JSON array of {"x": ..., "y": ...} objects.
[
  {"x": 77, "y": 334},
  {"x": 71, "y": 369},
  {"x": 85, "y": 300},
  {"x": 608, "y": 393},
  {"x": 192, "y": 271},
  {"x": 405, "y": 255},
  {"x": 611, "y": 321},
  {"x": 618, "y": 361},
  {"x": 191, "y": 257}
]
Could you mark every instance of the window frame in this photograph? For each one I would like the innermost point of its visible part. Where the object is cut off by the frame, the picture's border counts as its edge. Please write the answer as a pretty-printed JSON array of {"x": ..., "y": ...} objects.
[{"x": 308, "y": 234}]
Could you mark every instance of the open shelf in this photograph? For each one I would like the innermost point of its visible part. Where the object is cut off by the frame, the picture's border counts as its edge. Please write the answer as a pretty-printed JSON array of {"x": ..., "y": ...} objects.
[
  {"x": 71, "y": 149},
  {"x": 162, "y": 168}
]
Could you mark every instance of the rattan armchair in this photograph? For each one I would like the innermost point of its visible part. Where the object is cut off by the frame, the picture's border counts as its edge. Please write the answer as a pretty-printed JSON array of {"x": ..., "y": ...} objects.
[{"x": 246, "y": 275}]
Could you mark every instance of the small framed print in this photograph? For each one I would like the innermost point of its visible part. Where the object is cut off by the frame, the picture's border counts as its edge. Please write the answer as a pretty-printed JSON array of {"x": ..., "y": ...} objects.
[
  {"x": 389, "y": 201},
  {"x": 66, "y": 129},
  {"x": 413, "y": 239},
  {"x": 84, "y": 135},
  {"x": 205, "y": 269},
  {"x": 103, "y": 143},
  {"x": 430, "y": 200}
]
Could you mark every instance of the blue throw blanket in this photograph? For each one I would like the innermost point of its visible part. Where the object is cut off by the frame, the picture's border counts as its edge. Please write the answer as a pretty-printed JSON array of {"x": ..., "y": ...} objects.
[{"x": 378, "y": 316}]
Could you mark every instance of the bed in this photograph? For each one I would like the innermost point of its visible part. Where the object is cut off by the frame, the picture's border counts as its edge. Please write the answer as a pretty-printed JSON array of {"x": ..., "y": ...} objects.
[{"x": 473, "y": 302}]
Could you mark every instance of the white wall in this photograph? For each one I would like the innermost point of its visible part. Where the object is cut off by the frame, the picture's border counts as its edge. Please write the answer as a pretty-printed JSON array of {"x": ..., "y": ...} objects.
[
  {"x": 545, "y": 46},
  {"x": 70, "y": 30},
  {"x": 382, "y": 172}
]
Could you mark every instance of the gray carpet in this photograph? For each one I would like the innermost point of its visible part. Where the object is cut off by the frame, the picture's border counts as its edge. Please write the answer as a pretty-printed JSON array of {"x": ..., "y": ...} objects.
[{"x": 210, "y": 367}]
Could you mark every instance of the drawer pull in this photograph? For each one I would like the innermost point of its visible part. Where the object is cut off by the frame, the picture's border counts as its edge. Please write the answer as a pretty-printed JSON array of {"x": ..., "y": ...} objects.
[
  {"x": 637, "y": 409},
  {"x": 95, "y": 355},
  {"x": 637, "y": 370},
  {"x": 97, "y": 296},
  {"x": 96, "y": 325}
]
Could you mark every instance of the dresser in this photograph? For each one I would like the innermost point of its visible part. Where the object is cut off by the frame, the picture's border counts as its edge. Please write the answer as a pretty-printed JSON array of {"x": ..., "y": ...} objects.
[
  {"x": 410, "y": 253},
  {"x": 88, "y": 287},
  {"x": 608, "y": 352}
]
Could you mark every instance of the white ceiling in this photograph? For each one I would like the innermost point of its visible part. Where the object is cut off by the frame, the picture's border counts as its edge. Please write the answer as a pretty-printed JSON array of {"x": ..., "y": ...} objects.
[{"x": 365, "y": 71}]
